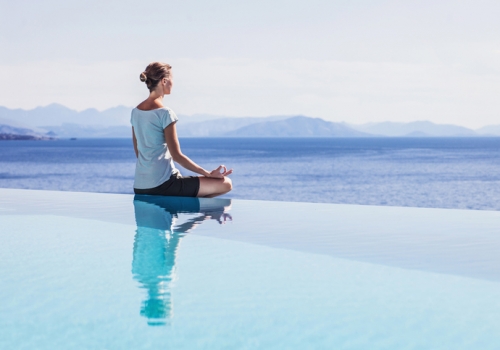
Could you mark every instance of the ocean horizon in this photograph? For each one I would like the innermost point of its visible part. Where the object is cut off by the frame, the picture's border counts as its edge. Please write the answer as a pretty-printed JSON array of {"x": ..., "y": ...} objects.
[{"x": 458, "y": 173}]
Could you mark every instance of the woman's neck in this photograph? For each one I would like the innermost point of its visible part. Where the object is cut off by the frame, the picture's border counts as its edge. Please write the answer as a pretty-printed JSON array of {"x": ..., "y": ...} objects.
[{"x": 152, "y": 102}]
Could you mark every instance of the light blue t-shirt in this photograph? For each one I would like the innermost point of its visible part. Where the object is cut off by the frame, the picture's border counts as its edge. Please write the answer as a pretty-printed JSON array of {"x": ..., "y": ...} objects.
[{"x": 154, "y": 164}]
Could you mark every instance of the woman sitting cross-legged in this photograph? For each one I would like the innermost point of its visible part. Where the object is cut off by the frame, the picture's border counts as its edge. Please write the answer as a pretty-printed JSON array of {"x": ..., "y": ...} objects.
[{"x": 157, "y": 147}]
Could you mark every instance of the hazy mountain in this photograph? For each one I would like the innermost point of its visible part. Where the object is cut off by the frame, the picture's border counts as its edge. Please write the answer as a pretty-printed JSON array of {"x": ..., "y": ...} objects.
[
  {"x": 492, "y": 130},
  {"x": 56, "y": 114},
  {"x": 299, "y": 126},
  {"x": 63, "y": 122},
  {"x": 70, "y": 123},
  {"x": 218, "y": 127},
  {"x": 22, "y": 129},
  {"x": 10, "y": 122},
  {"x": 12, "y": 130},
  {"x": 414, "y": 129},
  {"x": 69, "y": 130},
  {"x": 199, "y": 118}
]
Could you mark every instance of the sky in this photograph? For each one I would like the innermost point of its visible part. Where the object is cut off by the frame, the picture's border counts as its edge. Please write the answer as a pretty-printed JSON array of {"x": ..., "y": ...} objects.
[{"x": 353, "y": 61}]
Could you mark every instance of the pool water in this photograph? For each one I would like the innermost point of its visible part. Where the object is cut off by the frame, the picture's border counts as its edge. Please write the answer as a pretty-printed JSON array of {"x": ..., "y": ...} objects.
[{"x": 109, "y": 271}]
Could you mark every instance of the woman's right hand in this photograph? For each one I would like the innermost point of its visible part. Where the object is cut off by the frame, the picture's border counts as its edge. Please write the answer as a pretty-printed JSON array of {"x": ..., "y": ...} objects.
[{"x": 220, "y": 172}]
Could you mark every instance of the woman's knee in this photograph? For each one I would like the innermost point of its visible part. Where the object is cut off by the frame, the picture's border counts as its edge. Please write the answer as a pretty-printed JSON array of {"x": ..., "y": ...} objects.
[
  {"x": 223, "y": 185},
  {"x": 228, "y": 184},
  {"x": 211, "y": 186}
]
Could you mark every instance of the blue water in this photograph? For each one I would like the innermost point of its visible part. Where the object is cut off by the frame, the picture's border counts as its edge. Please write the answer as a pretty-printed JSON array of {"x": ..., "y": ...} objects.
[
  {"x": 111, "y": 271},
  {"x": 421, "y": 172}
]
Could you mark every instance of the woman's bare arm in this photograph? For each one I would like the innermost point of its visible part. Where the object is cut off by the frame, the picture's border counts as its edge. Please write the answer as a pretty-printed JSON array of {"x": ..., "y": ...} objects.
[
  {"x": 175, "y": 151},
  {"x": 134, "y": 140},
  {"x": 174, "y": 147}
]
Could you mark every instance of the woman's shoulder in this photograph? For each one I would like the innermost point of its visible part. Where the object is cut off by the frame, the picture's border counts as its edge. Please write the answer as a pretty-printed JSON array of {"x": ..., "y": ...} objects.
[
  {"x": 163, "y": 115},
  {"x": 170, "y": 115},
  {"x": 157, "y": 112}
]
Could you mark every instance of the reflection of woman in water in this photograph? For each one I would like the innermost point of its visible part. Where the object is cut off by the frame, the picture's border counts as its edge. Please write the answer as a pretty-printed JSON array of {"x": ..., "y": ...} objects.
[
  {"x": 157, "y": 147},
  {"x": 156, "y": 244}
]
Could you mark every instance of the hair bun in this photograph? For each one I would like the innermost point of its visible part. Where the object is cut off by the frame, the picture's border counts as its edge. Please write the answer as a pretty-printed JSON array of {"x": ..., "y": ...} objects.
[{"x": 143, "y": 77}]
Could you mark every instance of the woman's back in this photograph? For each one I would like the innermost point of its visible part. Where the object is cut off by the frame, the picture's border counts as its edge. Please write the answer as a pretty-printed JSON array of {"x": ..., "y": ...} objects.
[{"x": 154, "y": 163}]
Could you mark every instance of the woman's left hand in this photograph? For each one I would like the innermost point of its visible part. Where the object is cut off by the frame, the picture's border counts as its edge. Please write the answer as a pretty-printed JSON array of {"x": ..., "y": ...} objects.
[{"x": 220, "y": 172}]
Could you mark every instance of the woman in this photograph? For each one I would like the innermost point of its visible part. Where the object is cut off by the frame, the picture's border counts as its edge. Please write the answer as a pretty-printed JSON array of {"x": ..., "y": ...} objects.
[{"x": 157, "y": 147}]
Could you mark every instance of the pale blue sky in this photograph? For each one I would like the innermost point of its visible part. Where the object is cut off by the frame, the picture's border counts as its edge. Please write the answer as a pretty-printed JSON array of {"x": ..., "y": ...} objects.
[{"x": 354, "y": 61}]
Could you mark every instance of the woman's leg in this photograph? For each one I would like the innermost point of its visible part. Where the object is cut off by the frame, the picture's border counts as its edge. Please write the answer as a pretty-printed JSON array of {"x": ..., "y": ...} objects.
[{"x": 212, "y": 187}]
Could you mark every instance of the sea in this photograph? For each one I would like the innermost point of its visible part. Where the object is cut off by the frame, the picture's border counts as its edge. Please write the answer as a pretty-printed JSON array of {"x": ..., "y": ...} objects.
[{"x": 460, "y": 173}]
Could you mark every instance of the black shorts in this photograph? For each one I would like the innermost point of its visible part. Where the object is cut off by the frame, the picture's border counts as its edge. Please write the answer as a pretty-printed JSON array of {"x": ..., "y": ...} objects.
[{"x": 177, "y": 185}]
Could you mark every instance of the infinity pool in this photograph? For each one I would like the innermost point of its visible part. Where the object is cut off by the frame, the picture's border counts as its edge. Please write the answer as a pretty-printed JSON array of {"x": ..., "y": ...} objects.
[{"x": 106, "y": 271}]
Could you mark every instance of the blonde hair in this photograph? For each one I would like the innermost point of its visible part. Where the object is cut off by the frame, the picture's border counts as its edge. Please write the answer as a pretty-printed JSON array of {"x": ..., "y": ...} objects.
[{"x": 155, "y": 72}]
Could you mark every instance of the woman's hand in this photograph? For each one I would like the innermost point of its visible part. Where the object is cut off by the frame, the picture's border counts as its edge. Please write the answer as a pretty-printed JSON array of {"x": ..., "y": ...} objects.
[
  {"x": 220, "y": 172},
  {"x": 222, "y": 218}
]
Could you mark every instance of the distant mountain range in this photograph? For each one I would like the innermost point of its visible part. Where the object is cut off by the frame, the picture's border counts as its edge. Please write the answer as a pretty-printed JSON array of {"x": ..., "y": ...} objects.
[
  {"x": 8, "y": 132},
  {"x": 56, "y": 114},
  {"x": 299, "y": 126},
  {"x": 59, "y": 121}
]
